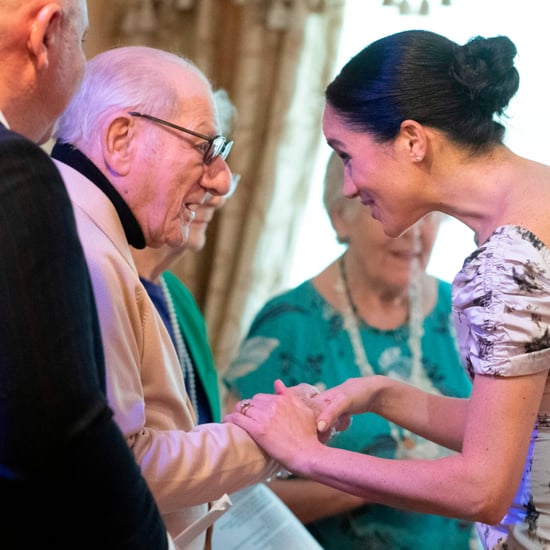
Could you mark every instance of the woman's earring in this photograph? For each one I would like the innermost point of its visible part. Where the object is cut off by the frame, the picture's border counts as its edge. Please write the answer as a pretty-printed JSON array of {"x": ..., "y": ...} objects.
[{"x": 417, "y": 158}]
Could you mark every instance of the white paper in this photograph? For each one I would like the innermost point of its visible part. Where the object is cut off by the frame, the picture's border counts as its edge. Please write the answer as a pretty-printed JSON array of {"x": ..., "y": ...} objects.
[
  {"x": 260, "y": 519},
  {"x": 217, "y": 509}
]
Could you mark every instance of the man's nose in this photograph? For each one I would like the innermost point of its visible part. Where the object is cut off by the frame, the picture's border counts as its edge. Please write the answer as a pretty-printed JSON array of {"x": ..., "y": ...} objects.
[{"x": 217, "y": 177}]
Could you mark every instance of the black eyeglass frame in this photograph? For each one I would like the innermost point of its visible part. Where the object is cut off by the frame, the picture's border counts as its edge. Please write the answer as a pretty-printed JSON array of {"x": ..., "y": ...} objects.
[{"x": 217, "y": 146}]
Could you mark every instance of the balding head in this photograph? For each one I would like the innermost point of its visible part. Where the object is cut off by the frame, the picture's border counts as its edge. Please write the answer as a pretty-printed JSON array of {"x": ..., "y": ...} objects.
[
  {"x": 133, "y": 78},
  {"x": 146, "y": 119}
]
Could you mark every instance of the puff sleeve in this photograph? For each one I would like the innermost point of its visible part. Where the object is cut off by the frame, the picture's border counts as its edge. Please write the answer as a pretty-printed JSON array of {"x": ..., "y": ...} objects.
[{"x": 501, "y": 305}]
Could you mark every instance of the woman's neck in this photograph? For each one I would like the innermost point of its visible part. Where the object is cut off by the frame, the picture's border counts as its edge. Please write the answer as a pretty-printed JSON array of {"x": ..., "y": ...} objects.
[{"x": 381, "y": 306}]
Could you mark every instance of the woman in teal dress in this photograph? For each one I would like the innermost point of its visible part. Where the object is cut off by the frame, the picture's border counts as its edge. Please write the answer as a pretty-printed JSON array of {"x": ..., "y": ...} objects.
[{"x": 372, "y": 311}]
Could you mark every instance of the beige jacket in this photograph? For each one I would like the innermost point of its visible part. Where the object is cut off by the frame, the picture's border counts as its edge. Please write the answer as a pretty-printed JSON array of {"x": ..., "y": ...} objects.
[{"x": 185, "y": 465}]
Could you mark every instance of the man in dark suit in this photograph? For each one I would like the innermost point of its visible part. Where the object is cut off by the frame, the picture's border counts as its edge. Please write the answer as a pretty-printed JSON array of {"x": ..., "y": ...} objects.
[{"x": 67, "y": 477}]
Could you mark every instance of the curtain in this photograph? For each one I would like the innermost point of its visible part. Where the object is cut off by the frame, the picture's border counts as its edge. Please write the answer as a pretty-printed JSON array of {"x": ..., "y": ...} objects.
[{"x": 274, "y": 58}]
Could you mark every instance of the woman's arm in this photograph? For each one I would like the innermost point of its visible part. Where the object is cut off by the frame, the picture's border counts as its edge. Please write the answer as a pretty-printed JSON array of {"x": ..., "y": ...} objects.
[
  {"x": 477, "y": 484},
  {"x": 435, "y": 417}
]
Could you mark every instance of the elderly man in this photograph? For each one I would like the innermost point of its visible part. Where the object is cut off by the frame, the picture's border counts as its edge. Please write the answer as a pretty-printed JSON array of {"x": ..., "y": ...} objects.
[
  {"x": 175, "y": 303},
  {"x": 139, "y": 151},
  {"x": 67, "y": 478}
]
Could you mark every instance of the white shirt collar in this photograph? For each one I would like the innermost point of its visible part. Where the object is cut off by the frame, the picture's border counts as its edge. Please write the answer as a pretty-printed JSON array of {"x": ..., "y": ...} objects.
[{"x": 3, "y": 120}]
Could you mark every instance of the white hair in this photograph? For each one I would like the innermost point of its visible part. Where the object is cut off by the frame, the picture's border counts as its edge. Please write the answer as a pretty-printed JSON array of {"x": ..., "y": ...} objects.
[
  {"x": 226, "y": 111},
  {"x": 131, "y": 78}
]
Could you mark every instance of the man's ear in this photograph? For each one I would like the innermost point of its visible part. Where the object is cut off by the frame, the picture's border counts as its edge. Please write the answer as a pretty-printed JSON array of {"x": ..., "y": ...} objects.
[
  {"x": 119, "y": 141},
  {"x": 414, "y": 139},
  {"x": 45, "y": 30}
]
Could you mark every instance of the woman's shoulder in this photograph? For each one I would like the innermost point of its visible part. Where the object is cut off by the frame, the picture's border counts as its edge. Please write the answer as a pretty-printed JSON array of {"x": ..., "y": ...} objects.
[
  {"x": 299, "y": 295},
  {"x": 302, "y": 301},
  {"x": 501, "y": 300},
  {"x": 511, "y": 267},
  {"x": 444, "y": 288},
  {"x": 509, "y": 250},
  {"x": 516, "y": 234},
  {"x": 443, "y": 301}
]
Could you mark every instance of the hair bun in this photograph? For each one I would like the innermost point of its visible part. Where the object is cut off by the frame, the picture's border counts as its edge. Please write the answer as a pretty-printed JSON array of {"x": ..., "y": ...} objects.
[{"x": 485, "y": 68}]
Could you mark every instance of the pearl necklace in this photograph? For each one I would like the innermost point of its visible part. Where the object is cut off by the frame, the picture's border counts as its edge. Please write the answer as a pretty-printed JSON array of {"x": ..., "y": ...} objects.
[
  {"x": 181, "y": 348},
  {"x": 350, "y": 314},
  {"x": 351, "y": 317}
]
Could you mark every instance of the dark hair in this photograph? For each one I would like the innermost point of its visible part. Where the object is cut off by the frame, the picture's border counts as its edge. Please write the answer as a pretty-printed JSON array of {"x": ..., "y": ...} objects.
[{"x": 426, "y": 77}]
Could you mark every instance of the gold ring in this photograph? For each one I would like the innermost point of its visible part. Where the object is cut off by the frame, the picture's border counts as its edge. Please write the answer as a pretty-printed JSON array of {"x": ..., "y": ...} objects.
[{"x": 245, "y": 405}]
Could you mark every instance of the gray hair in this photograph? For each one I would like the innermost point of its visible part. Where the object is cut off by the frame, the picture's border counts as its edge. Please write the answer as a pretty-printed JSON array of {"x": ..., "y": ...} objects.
[
  {"x": 128, "y": 78},
  {"x": 227, "y": 112}
]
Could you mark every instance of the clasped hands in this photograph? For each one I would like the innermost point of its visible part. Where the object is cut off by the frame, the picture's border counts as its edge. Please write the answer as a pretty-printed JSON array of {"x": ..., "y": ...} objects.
[{"x": 291, "y": 421}]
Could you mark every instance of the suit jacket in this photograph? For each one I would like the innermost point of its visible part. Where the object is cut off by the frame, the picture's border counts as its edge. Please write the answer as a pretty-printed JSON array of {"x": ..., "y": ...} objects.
[
  {"x": 65, "y": 468},
  {"x": 185, "y": 465}
]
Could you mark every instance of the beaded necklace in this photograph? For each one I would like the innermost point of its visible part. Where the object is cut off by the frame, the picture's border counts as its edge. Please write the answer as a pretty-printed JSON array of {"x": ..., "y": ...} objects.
[
  {"x": 404, "y": 439},
  {"x": 181, "y": 349}
]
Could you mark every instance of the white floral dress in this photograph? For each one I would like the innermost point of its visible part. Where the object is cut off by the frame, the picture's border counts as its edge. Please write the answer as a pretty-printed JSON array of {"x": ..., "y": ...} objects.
[{"x": 501, "y": 299}]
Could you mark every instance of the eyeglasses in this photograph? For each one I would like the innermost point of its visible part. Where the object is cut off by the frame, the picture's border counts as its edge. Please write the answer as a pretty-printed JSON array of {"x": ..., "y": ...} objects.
[{"x": 218, "y": 146}]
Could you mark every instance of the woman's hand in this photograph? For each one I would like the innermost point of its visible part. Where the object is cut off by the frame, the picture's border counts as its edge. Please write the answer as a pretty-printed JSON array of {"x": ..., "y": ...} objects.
[
  {"x": 284, "y": 424},
  {"x": 354, "y": 396},
  {"x": 309, "y": 395}
]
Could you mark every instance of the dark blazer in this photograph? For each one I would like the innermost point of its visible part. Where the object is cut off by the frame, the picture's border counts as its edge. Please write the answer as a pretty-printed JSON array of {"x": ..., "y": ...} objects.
[{"x": 67, "y": 475}]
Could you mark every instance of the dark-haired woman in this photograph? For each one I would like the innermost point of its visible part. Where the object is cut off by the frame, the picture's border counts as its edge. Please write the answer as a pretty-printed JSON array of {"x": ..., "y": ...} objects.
[{"x": 414, "y": 117}]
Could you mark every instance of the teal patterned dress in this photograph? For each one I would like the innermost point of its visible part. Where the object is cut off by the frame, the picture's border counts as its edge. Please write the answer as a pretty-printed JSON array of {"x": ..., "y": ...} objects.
[{"x": 299, "y": 337}]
